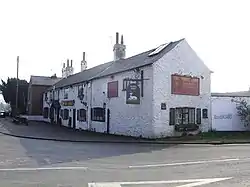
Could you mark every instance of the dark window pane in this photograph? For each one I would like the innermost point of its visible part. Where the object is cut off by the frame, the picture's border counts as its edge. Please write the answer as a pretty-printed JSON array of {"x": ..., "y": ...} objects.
[
  {"x": 82, "y": 115},
  {"x": 191, "y": 115},
  {"x": 198, "y": 116},
  {"x": 204, "y": 113},
  {"x": 66, "y": 114},
  {"x": 185, "y": 118},
  {"x": 98, "y": 114},
  {"x": 78, "y": 115},
  {"x": 178, "y": 116},
  {"x": 172, "y": 116}
]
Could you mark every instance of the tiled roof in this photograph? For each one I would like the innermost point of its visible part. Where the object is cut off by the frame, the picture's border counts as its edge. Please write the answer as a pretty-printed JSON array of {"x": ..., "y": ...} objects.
[
  {"x": 113, "y": 67},
  {"x": 43, "y": 80},
  {"x": 232, "y": 94}
]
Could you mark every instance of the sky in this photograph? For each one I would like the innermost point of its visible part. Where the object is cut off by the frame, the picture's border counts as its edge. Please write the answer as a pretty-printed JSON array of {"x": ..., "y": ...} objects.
[{"x": 45, "y": 33}]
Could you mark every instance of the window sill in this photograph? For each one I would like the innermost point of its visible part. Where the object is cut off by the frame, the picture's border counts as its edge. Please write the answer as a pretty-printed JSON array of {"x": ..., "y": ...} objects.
[
  {"x": 188, "y": 127},
  {"x": 98, "y": 120}
]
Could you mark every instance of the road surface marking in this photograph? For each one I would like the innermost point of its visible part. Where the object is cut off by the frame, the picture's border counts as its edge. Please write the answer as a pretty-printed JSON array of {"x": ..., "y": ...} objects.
[
  {"x": 40, "y": 169},
  {"x": 192, "y": 182},
  {"x": 185, "y": 163}
]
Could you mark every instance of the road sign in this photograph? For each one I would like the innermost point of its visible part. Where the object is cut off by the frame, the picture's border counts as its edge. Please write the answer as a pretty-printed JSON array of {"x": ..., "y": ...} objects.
[{"x": 189, "y": 182}]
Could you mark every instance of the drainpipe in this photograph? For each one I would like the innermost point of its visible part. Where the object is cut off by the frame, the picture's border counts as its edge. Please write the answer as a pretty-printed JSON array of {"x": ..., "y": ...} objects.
[{"x": 90, "y": 105}]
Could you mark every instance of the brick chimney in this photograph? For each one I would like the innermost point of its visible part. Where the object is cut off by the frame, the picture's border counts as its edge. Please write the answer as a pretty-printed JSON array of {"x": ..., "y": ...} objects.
[
  {"x": 83, "y": 62},
  {"x": 119, "y": 48}
]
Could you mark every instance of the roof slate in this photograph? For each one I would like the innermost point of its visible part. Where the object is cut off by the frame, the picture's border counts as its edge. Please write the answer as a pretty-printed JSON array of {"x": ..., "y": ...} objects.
[
  {"x": 114, "y": 67},
  {"x": 43, "y": 80}
]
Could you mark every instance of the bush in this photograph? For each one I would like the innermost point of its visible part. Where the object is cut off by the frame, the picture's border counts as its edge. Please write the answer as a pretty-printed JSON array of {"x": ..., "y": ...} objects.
[{"x": 243, "y": 110}]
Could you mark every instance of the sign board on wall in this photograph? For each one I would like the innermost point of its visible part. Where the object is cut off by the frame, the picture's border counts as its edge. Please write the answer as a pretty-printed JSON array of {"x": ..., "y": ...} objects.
[
  {"x": 163, "y": 106},
  {"x": 133, "y": 94},
  {"x": 185, "y": 85},
  {"x": 68, "y": 103}
]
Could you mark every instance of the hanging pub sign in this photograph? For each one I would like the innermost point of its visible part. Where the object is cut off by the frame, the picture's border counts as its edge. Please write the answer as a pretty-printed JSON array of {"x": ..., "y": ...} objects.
[
  {"x": 68, "y": 103},
  {"x": 133, "y": 94}
]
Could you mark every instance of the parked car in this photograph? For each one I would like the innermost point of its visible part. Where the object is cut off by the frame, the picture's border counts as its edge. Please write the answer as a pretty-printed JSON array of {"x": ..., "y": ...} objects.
[{"x": 2, "y": 114}]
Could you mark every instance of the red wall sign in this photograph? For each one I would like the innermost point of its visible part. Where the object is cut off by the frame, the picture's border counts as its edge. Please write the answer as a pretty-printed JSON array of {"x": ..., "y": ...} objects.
[{"x": 185, "y": 85}]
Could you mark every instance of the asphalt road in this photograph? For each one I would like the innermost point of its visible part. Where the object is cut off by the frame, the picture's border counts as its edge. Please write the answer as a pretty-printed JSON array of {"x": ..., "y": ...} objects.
[{"x": 27, "y": 163}]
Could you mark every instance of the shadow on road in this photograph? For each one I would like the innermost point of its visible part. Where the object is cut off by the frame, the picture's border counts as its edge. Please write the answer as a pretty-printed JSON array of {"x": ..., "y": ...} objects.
[{"x": 51, "y": 152}]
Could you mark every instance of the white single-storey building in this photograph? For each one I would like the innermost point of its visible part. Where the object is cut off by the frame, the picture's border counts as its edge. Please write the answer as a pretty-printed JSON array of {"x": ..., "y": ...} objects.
[
  {"x": 158, "y": 93},
  {"x": 224, "y": 112}
]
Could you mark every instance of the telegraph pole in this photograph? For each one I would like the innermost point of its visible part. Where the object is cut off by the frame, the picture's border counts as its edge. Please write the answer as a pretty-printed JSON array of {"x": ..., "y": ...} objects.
[{"x": 17, "y": 84}]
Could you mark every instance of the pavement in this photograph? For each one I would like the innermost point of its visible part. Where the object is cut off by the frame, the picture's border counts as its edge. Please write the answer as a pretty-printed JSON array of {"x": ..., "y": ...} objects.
[
  {"x": 32, "y": 163},
  {"x": 47, "y": 131}
]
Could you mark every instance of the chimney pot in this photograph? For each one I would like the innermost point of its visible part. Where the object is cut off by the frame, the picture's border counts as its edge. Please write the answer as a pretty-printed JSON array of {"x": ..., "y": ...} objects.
[
  {"x": 117, "y": 38},
  {"x": 83, "y": 57},
  {"x": 122, "y": 39},
  {"x": 71, "y": 63},
  {"x": 67, "y": 62}
]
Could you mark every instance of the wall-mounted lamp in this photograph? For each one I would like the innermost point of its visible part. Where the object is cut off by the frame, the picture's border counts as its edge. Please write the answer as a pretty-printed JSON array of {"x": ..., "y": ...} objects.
[{"x": 136, "y": 70}]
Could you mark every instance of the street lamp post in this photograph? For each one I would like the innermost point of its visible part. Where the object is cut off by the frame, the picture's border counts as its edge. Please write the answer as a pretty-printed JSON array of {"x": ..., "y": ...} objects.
[{"x": 17, "y": 84}]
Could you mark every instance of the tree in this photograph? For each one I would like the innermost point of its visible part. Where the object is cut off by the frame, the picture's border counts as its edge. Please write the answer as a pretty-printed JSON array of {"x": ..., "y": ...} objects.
[
  {"x": 243, "y": 110},
  {"x": 8, "y": 90}
]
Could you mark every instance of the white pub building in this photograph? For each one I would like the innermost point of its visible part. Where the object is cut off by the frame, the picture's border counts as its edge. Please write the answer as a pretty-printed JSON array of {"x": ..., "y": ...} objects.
[{"x": 158, "y": 93}]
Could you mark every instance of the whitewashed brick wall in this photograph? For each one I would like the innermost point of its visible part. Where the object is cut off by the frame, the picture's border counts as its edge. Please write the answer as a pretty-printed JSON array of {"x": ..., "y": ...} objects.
[
  {"x": 181, "y": 60},
  {"x": 125, "y": 119}
]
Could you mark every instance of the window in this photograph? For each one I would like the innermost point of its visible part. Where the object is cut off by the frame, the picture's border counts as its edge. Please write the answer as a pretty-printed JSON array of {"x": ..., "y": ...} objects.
[
  {"x": 82, "y": 115},
  {"x": 66, "y": 93},
  {"x": 172, "y": 116},
  {"x": 65, "y": 114},
  {"x": 98, "y": 114},
  {"x": 158, "y": 49},
  {"x": 113, "y": 89},
  {"x": 50, "y": 95},
  {"x": 198, "y": 116},
  {"x": 178, "y": 116},
  {"x": 191, "y": 114},
  {"x": 204, "y": 113},
  {"x": 184, "y": 116},
  {"x": 80, "y": 90},
  {"x": 45, "y": 112}
]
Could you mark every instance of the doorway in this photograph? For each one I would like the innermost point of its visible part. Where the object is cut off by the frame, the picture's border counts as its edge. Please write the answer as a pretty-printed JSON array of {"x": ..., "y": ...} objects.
[
  {"x": 57, "y": 116},
  {"x": 108, "y": 121},
  {"x": 74, "y": 118}
]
